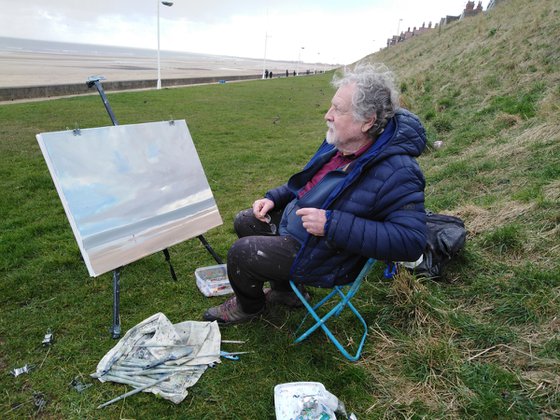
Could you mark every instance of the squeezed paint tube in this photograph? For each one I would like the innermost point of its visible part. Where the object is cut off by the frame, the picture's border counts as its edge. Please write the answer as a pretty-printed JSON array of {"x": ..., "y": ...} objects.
[
  {"x": 78, "y": 385},
  {"x": 48, "y": 339},
  {"x": 25, "y": 369}
]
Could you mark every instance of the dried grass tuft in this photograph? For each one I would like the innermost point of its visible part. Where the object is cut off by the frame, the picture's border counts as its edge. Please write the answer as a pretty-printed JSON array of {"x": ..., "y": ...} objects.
[
  {"x": 479, "y": 220},
  {"x": 405, "y": 287},
  {"x": 396, "y": 392},
  {"x": 507, "y": 120},
  {"x": 517, "y": 146},
  {"x": 413, "y": 303},
  {"x": 551, "y": 192}
]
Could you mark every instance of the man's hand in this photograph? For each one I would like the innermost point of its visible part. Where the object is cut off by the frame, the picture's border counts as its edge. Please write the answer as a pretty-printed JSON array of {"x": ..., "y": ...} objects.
[
  {"x": 313, "y": 220},
  {"x": 261, "y": 207}
]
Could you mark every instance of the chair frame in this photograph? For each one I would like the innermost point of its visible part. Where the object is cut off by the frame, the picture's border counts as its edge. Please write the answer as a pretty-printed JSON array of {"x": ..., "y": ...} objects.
[{"x": 335, "y": 311}]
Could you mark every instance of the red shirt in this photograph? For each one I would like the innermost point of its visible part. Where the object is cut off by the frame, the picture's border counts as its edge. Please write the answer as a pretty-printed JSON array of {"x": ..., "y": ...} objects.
[{"x": 337, "y": 161}]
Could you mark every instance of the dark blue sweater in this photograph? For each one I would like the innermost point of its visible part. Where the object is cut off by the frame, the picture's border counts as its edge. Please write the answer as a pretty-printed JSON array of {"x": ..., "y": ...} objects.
[{"x": 375, "y": 210}]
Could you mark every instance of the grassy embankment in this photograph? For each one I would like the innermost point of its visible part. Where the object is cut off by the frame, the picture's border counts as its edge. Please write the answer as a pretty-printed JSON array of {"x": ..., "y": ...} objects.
[{"x": 482, "y": 342}]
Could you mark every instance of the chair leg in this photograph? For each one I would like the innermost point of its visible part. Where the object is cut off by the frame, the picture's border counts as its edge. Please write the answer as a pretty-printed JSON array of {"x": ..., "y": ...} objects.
[
  {"x": 320, "y": 321},
  {"x": 340, "y": 347},
  {"x": 312, "y": 311}
]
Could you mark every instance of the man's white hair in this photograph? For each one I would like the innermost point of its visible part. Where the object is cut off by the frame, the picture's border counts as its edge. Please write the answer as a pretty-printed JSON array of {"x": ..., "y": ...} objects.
[{"x": 375, "y": 93}]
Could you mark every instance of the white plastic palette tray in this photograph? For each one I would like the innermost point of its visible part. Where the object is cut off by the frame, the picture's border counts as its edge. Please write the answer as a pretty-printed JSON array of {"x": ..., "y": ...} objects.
[
  {"x": 290, "y": 401},
  {"x": 213, "y": 280}
]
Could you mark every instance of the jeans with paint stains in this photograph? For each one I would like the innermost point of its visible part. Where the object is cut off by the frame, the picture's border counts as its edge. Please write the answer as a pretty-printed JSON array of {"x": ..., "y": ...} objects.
[{"x": 260, "y": 255}]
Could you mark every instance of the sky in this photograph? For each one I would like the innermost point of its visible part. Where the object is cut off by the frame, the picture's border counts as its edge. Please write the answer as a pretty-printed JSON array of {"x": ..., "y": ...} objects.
[{"x": 326, "y": 31}]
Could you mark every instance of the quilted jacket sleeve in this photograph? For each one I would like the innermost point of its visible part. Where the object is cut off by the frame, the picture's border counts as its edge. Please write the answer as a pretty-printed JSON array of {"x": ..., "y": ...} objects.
[
  {"x": 281, "y": 196},
  {"x": 395, "y": 229}
]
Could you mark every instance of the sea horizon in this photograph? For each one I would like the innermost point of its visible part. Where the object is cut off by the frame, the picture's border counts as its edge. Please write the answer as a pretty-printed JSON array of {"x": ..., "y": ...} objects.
[{"x": 27, "y": 45}]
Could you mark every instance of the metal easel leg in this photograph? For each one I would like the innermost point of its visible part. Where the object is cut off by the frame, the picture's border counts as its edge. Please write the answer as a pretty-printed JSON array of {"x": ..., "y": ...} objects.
[
  {"x": 116, "y": 328},
  {"x": 168, "y": 259},
  {"x": 209, "y": 249},
  {"x": 96, "y": 81}
]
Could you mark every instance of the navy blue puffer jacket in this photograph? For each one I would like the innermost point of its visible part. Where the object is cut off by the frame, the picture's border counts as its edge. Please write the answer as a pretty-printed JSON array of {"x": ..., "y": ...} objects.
[{"x": 376, "y": 211}]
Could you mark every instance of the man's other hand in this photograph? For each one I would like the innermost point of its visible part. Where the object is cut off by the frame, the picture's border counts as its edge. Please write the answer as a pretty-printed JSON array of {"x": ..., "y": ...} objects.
[{"x": 313, "y": 220}]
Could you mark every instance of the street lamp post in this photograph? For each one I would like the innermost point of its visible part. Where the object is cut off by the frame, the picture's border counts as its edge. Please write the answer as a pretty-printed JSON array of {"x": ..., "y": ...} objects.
[
  {"x": 399, "y": 28},
  {"x": 266, "y": 36},
  {"x": 168, "y": 4},
  {"x": 299, "y": 59}
]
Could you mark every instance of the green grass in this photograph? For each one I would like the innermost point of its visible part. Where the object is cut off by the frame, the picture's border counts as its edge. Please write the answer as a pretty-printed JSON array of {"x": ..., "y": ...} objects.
[{"x": 483, "y": 342}]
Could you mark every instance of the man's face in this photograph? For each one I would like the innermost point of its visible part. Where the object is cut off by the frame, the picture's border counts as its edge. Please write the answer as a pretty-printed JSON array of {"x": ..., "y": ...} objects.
[{"x": 344, "y": 131}]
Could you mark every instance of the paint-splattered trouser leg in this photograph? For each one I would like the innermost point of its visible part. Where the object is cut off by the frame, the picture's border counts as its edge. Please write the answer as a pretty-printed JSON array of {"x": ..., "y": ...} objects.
[
  {"x": 254, "y": 260},
  {"x": 246, "y": 224}
]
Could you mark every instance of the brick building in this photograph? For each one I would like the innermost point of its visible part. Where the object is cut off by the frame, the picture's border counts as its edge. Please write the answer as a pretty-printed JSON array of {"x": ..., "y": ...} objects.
[{"x": 469, "y": 11}]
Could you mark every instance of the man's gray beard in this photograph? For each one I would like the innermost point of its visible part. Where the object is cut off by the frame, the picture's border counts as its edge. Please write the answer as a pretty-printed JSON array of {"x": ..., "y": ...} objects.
[{"x": 330, "y": 137}]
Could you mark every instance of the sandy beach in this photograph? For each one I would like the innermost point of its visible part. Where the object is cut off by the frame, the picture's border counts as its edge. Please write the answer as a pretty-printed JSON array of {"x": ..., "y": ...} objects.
[
  {"x": 44, "y": 69},
  {"x": 45, "y": 64}
]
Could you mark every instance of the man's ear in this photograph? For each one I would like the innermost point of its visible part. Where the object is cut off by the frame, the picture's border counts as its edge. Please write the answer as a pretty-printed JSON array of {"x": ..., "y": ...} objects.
[{"x": 368, "y": 124}]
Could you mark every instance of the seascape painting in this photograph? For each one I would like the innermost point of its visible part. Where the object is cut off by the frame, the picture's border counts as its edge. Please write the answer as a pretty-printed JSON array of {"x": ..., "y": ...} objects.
[{"x": 129, "y": 190}]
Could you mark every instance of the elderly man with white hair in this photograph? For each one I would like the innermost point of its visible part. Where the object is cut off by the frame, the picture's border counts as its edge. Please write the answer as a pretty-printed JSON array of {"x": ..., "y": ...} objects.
[{"x": 360, "y": 196}]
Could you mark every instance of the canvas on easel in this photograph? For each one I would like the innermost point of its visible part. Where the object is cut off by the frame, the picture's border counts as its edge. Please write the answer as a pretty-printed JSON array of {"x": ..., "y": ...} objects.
[{"x": 129, "y": 190}]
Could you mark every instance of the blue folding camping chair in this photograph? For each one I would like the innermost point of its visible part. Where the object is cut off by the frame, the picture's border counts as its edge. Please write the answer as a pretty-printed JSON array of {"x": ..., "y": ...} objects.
[{"x": 343, "y": 302}]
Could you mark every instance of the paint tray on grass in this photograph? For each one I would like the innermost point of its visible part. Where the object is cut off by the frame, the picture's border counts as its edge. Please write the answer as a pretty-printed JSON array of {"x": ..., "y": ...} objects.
[
  {"x": 307, "y": 401},
  {"x": 302, "y": 400},
  {"x": 213, "y": 280}
]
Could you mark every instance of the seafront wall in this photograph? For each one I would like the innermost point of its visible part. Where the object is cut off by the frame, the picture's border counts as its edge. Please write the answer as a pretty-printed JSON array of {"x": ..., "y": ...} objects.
[{"x": 37, "y": 92}]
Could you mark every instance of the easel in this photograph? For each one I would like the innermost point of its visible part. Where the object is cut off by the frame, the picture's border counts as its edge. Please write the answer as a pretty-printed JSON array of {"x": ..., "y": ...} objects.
[{"x": 116, "y": 327}]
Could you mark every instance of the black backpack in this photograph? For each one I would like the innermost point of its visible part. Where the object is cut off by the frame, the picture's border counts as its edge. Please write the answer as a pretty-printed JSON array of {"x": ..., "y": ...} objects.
[{"x": 446, "y": 237}]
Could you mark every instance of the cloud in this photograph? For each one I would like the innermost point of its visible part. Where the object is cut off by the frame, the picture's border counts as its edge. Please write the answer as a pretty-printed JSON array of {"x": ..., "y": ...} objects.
[{"x": 330, "y": 30}]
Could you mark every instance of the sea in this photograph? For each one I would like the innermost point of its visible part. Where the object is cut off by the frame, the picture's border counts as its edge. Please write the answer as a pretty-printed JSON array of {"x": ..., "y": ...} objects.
[{"x": 34, "y": 46}]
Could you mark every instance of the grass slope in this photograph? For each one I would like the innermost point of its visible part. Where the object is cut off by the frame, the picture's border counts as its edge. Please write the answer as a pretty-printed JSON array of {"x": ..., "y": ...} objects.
[{"x": 483, "y": 342}]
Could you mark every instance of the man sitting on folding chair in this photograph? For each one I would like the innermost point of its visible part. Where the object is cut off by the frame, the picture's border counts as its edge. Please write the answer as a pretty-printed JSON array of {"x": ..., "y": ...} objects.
[{"x": 360, "y": 196}]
